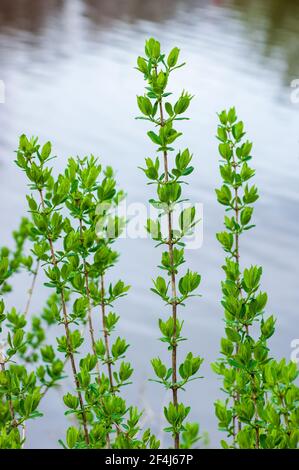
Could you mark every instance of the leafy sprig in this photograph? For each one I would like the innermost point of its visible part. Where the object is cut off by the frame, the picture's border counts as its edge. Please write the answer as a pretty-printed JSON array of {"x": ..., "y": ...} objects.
[{"x": 156, "y": 68}]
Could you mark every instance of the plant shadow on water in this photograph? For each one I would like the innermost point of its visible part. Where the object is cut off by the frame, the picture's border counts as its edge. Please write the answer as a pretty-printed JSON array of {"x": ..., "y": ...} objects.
[{"x": 68, "y": 69}]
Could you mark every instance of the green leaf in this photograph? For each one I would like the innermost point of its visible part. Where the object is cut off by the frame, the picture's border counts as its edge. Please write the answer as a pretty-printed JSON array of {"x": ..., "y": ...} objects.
[
  {"x": 46, "y": 151},
  {"x": 173, "y": 57},
  {"x": 154, "y": 138},
  {"x": 72, "y": 437},
  {"x": 246, "y": 215},
  {"x": 142, "y": 65}
]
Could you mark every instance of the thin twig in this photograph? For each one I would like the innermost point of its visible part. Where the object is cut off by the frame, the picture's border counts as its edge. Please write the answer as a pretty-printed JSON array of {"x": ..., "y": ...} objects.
[
  {"x": 236, "y": 397},
  {"x": 9, "y": 399},
  {"x": 106, "y": 334},
  {"x": 68, "y": 338},
  {"x": 30, "y": 292},
  {"x": 257, "y": 432},
  {"x": 91, "y": 330},
  {"x": 107, "y": 346},
  {"x": 173, "y": 290}
]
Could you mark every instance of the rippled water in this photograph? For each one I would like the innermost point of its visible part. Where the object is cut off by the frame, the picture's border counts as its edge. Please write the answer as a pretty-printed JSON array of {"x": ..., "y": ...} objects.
[{"x": 69, "y": 76}]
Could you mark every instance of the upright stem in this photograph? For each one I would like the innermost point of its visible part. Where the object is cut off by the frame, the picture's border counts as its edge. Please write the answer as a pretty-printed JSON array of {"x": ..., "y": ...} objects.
[
  {"x": 106, "y": 335},
  {"x": 285, "y": 414},
  {"x": 237, "y": 258},
  {"x": 91, "y": 330},
  {"x": 257, "y": 432},
  {"x": 9, "y": 399},
  {"x": 26, "y": 311},
  {"x": 173, "y": 292},
  {"x": 107, "y": 346},
  {"x": 68, "y": 338},
  {"x": 30, "y": 292}
]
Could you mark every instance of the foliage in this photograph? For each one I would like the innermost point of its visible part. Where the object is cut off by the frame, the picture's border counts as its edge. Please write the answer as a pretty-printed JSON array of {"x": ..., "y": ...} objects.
[
  {"x": 20, "y": 389},
  {"x": 261, "y": 408},
  {"x": 70, "y": 233},
  {"x": 155, "y": 108},
  {"x": 75, "y": 250}
]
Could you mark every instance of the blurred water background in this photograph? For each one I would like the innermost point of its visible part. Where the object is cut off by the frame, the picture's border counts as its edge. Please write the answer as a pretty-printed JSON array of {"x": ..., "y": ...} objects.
[{"x": 68, "y": 68}]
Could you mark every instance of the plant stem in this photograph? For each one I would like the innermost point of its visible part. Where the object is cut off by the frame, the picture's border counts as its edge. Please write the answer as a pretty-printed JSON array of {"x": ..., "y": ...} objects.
[
  {"x": 9, "y": 399},
  {"x": 106, "y": 334},
  {"x": 285, "y": 413},
  {"x": 73, "y": 364},
  {"x": 236, "y": 422},
  {"x": 30, "y": 292},
  {"x": 91, "y": 330},
  {"x": 173, "y": 291},
  {"x": 237, "y": 257},
  {"x": 257, "y": 432},
  {"x": 107, "y": 346},
  {"x": 68, "y": 337}
]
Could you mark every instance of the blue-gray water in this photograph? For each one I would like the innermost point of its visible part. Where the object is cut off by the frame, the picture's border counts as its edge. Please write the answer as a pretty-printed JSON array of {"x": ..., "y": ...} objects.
[{"x": 68, "y": 67}]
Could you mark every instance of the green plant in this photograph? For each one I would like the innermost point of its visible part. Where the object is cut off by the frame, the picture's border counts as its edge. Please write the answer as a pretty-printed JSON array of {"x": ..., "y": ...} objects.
[
  {"x": 19, "y": 393},
  {"x": 261, "y": 409},
  {"x": 90, "y": 203},
  {"x": 49, "y": 226},
  {"x": 70, "y": 232},
  {"x": 163, "y": 115},
  {"x": 21, "y": 389},
  {"x": 16, "y": 258},
  {"x": 76, "y": 253}
]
